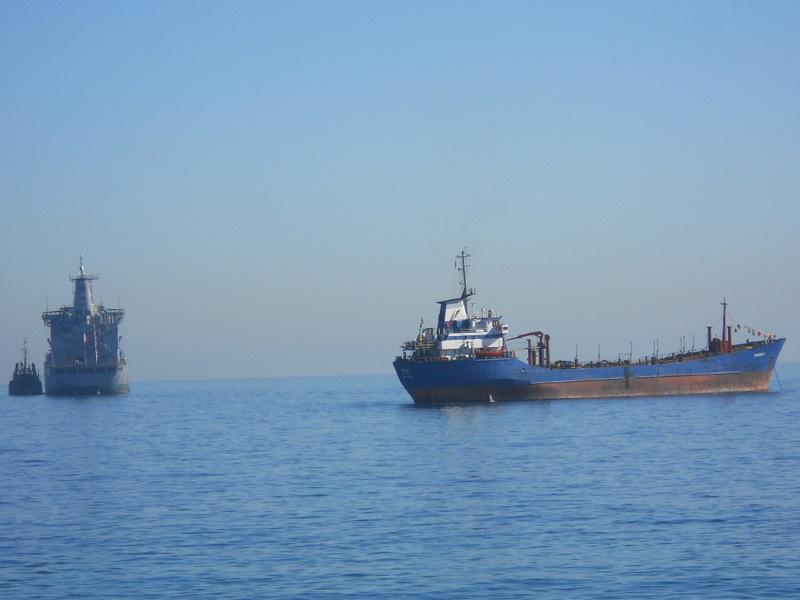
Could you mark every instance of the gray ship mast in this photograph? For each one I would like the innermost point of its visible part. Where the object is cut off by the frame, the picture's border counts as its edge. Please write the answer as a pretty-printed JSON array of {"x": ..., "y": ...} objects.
[
  {"x": 462, "y": 268},
  {"x": 83, "y": 298}
]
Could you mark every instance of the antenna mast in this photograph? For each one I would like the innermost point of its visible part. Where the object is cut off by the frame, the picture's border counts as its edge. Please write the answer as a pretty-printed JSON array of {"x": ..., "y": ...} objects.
[
  {"x": 463, "y": 270},
  {"x": 724, "y": 318}
]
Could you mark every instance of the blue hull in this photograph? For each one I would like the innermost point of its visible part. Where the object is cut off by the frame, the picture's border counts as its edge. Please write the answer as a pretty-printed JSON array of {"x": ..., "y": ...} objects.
[{"x": 746, "y": 368}]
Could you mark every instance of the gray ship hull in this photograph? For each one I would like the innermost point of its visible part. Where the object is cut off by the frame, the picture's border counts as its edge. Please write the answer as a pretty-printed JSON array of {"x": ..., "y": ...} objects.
[{"x": 86, "y": 381}]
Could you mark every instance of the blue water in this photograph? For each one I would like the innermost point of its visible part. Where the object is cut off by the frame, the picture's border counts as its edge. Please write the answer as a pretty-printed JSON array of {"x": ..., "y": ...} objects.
[{"x": 324, "y": 487}]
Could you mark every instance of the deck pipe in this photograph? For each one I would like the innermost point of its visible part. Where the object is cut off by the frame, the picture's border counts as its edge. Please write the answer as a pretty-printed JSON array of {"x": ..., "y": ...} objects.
[{"x": 547, "y": 347}]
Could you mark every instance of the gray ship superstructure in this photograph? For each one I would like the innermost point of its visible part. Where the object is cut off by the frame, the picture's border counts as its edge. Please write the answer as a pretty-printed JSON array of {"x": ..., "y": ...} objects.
[{"x": 84, "y": 356}]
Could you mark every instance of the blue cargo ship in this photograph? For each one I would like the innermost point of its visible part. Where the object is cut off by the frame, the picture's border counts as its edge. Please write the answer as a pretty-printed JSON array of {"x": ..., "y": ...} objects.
[{"x": 466, "y": 359}]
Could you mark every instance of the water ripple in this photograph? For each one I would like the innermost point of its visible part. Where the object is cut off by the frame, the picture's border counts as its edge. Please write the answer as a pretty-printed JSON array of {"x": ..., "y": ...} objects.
[{"x": 325, "y": 487}]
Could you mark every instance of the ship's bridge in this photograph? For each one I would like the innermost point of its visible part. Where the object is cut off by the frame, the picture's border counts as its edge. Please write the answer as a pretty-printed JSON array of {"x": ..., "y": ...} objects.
[{"x": 460, "y": 332}]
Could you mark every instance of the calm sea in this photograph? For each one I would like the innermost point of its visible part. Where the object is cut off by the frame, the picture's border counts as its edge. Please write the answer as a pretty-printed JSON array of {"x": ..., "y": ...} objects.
[{"x": 321, "y": 487}]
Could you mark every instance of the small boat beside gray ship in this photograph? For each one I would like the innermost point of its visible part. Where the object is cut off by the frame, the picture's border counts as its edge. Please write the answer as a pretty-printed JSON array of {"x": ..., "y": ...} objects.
[
  {"x": 466, "y": 359},
  {"x": 25, "y": 381},
  {"x": 84, "y": 356}
]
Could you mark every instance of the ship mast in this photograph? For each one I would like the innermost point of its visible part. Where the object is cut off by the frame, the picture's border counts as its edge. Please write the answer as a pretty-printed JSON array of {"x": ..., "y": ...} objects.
[
  {"x": 725, "y": 325},
  {"x": 83, "y": 298},
  {"x": 463, "y": 270}
]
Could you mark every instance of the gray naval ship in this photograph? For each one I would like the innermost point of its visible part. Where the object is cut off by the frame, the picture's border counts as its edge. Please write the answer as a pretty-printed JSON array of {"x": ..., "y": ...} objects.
[{"x": 84, "y": 356}]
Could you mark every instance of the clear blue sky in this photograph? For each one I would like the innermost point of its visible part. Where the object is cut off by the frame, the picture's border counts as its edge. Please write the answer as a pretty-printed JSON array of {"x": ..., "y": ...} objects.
[{"x": 280, "y": 188}]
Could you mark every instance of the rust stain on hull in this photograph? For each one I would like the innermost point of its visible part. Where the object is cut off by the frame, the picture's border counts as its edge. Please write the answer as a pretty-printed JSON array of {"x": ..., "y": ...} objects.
[{"x": 610, "y": 388}]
